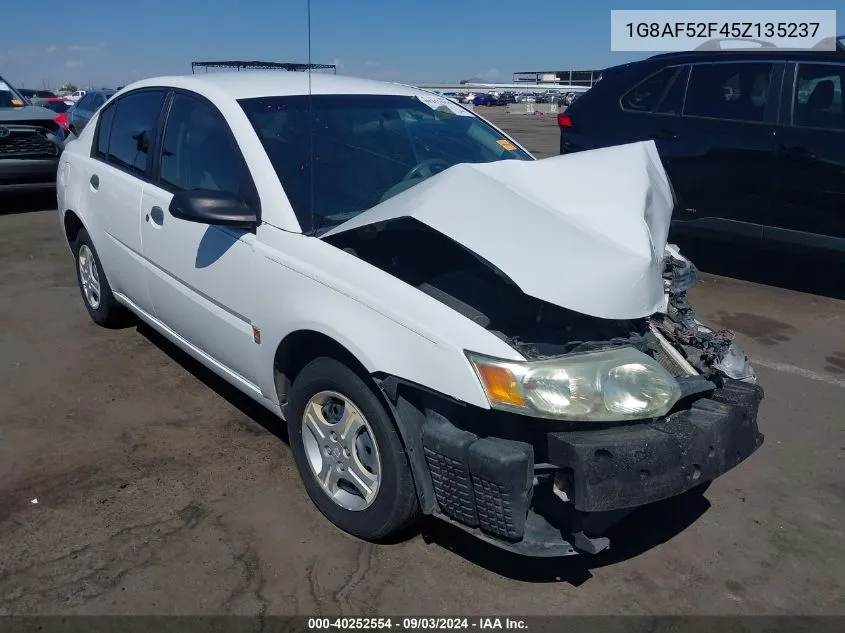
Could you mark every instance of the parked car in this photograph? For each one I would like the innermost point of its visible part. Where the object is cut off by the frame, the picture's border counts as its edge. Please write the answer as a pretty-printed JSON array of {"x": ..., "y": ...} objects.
[
  {"x": 27, "y": 93},
  {"x": 525, "y": 97},
  {"x": 281, "y": 232},
  {"x": 56, "y": 104},
  {"x": 82, "y": 111},
  {"x": 753, "y": 141},
  {"x": 485, "y": 99},
  {"x": 30, "y": 143},
  {"x": 59, "y": 105},
  {"x": 505, "y": 98},
  {"x": 31, "y": 94},
  {"x": 76, "y": 95}
]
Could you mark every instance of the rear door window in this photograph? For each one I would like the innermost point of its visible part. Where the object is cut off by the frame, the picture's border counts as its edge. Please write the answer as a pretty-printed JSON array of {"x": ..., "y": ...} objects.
[
  {"x": 730, "y": 91},
  {"x": 645, "y": 96},
  {"x": 817, "y": 101},
  {"x": 133, "y": 130}
]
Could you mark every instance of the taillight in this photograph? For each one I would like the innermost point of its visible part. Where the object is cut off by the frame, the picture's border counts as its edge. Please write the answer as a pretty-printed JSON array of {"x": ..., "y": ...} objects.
[
  {"x": 61, "y": 119},
  {"x": 564, "y": 120}
]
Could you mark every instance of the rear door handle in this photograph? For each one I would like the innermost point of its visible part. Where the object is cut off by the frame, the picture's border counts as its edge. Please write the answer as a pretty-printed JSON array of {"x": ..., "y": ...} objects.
[
  {"x": 95, "y": 182},
  {"x": 664, "y": 135},
  {"x": 156, "y": 216}
]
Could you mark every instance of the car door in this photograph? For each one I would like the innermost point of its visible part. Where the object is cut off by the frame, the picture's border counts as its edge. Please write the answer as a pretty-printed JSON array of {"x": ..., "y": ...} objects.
[
  {"x": 120, "y": 163},
  {"x": 199, "y": 274},
  {"x": 722, "y": 169},
  {"x": 811, "y": 161}
]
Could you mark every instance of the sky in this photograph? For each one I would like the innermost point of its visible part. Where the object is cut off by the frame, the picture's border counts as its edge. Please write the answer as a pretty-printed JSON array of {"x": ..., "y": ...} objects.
[{"x": 105, "y": 43}]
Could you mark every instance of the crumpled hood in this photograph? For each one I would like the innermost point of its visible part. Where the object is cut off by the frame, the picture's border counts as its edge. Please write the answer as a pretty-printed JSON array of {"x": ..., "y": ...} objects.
[{"x": 583, "y": 231}]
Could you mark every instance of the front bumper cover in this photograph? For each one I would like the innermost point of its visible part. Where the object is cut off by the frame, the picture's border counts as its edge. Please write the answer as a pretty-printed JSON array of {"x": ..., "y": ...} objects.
[
  {"x": 486, "y": 485},
  {"x": 618, "y": 468}
]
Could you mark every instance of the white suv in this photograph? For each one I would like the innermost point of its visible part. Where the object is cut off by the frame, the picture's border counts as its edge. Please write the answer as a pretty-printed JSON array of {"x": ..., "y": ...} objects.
[{"x": 447, "y": 325}]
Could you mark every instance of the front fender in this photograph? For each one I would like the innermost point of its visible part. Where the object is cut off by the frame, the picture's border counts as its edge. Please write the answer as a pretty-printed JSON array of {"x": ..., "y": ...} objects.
[{"x": 390, "y": 327}]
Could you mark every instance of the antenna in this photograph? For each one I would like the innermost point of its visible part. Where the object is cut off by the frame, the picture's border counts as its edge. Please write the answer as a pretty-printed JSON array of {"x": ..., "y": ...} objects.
[
  {"x": 310, "y": 125},
  {"x": 308, "y": 2}
]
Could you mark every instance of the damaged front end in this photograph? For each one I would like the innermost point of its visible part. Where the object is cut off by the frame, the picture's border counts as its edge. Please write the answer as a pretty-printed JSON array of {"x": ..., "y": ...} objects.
[
  {"x": 536, "y": 486},
  {"x": 541, "y": 484},
  {"x": 713, "y": 354}
]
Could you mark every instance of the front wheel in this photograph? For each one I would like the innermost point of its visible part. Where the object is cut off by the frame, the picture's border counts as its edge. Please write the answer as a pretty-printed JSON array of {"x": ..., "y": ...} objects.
[{"x": 348, "y": 452}]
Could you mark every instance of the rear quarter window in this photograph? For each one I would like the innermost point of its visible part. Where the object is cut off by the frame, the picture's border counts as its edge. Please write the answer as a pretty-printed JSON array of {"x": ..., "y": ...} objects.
[{"x": 645, "y": 96}]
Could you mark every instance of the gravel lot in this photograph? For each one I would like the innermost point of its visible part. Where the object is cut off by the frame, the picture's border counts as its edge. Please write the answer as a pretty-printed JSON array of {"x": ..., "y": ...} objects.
[{"x": 161, "y": 491}]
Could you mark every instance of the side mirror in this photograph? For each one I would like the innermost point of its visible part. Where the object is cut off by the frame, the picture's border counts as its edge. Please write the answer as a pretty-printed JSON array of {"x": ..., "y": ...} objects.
[{"x": 213, "y": 207}]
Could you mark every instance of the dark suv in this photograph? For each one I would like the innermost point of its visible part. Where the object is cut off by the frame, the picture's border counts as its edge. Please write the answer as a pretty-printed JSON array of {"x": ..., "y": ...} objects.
[
  {"x": 753, "y": 140},
  {"x": 30, "y": 143}
]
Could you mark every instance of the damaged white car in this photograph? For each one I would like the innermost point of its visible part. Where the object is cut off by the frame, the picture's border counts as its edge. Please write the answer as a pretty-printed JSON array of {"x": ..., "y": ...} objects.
[{"x": 448, "y": 326}]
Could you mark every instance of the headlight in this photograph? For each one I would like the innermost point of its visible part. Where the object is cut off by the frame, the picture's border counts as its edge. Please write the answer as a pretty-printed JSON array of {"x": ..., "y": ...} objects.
[{"x": 612, "y": 385}]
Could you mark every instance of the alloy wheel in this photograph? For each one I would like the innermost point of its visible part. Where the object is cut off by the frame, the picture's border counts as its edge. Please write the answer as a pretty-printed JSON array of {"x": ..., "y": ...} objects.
[{"x": 341, "y": 450}]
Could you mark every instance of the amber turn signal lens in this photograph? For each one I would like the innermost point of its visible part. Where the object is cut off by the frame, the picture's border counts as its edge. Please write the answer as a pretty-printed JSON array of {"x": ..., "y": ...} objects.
[{"x": 502, "y": 386}]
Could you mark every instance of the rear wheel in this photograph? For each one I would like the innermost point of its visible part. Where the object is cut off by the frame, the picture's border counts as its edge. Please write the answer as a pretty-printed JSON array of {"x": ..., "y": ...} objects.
[
  {"x": 349, "y": 455},
  {"x": 96, "y": 292}
]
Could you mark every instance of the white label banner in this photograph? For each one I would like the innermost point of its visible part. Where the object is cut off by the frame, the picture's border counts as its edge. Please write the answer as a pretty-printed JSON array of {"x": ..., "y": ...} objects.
[{"x": 684, "y": 30}]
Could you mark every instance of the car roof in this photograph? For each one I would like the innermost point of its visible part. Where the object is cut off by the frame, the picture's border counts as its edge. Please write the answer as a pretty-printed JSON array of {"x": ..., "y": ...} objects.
[
  {"x": 779, "y": 54},
  {"x": 257, "y": 83}
]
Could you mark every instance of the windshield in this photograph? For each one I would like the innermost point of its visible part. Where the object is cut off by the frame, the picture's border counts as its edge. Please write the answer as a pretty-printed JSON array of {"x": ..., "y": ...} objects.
[
  {"x": 366, "y": 148},
  {"x": 9, "y": 97}
]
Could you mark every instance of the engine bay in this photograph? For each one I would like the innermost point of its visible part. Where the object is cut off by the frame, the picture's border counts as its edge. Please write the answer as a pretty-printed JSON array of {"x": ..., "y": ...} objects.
[{"x": 440, "y": 267}]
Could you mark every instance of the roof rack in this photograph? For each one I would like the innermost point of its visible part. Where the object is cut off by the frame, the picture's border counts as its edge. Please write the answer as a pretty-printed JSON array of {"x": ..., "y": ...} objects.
[
  {"x": 257, "y": 65},
  {"x": 829, "y": 44}
]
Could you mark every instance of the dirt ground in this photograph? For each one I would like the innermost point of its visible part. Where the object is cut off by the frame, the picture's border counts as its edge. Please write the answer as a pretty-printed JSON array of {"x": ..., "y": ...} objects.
[{"x": 132, "y": 481}]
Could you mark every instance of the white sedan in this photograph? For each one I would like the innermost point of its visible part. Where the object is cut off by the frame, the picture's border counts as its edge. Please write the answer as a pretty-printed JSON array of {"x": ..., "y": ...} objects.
[{"x": 447, "y": 325}]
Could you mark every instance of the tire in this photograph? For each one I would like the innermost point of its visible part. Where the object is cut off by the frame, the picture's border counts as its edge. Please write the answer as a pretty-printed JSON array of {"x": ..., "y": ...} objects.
[
  {"x": 394, "y": 507},
  {"x": 101, "y": 305}
]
